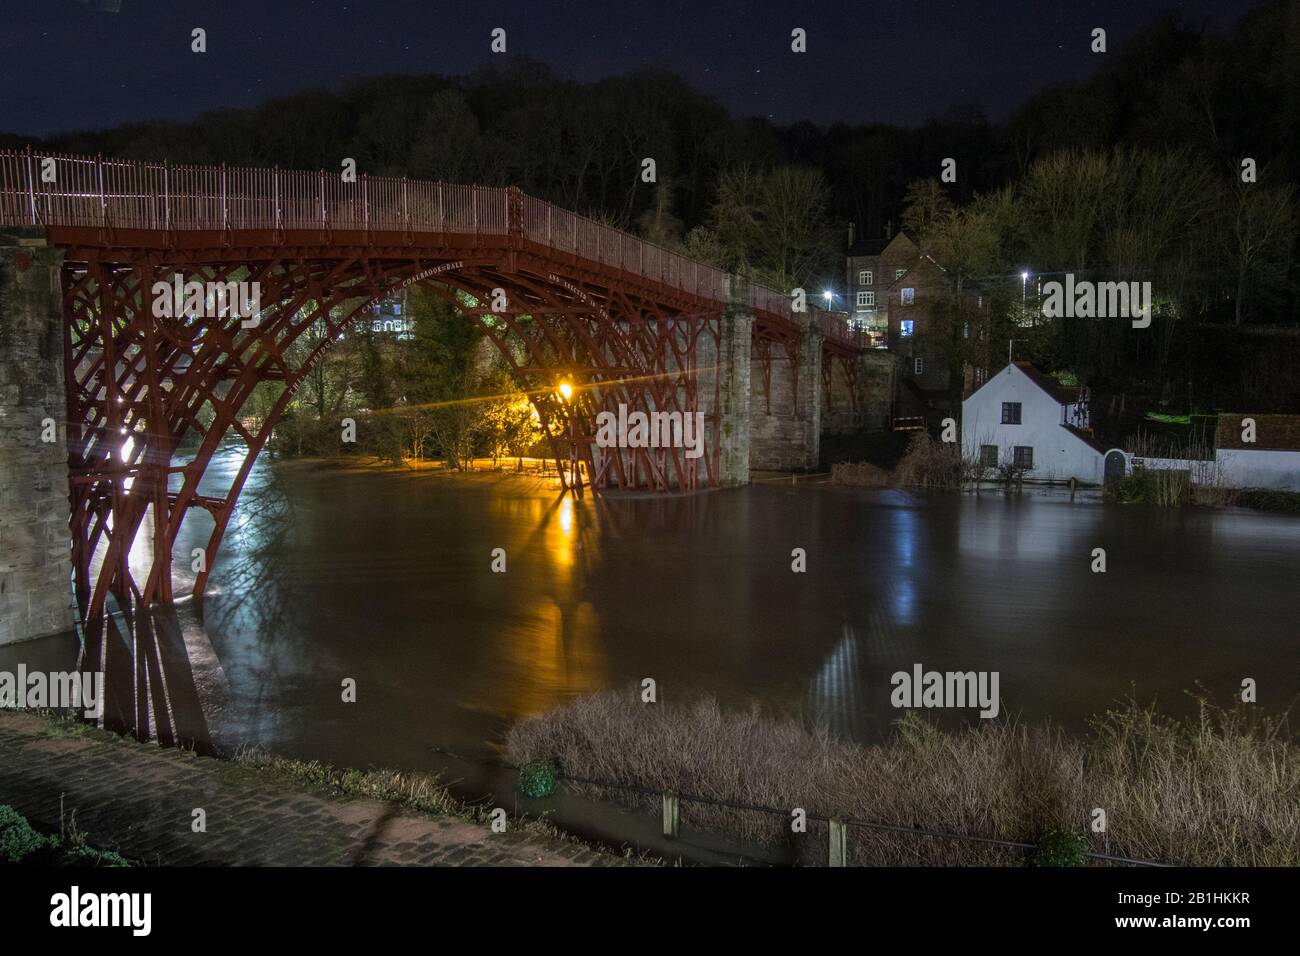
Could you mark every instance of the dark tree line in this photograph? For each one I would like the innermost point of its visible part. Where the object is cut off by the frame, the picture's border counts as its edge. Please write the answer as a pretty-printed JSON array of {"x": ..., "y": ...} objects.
[
  {"x": 1222, "y": 96},
  {"x": 1176, "y": 101}
]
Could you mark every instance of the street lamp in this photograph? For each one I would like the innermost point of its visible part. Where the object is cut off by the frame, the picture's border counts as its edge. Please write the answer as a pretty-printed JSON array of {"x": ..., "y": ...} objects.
[
  {"x": 565, "y": 391},
  {"x": 828, "y": 294}
]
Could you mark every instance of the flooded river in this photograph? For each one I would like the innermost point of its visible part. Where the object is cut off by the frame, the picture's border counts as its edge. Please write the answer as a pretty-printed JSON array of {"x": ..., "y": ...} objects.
[{"x": 331, "y": 572}]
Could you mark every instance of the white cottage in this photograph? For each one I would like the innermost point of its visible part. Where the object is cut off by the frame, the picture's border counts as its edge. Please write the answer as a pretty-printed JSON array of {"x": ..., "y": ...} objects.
[{"x": 1023, "y": 418}]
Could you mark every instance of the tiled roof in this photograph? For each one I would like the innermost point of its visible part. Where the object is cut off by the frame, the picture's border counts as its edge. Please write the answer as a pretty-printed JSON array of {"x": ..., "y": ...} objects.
[
  {"x": 1272, "y": 432},
  {"x": 1065, "y": 394}
]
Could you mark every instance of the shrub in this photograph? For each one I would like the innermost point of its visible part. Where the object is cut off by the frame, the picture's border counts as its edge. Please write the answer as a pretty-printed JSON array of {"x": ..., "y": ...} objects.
[
  {"x": 89, "y": 856},
  {"x": 17, "y": 838},
  {"x": 861, "y": 474},
  {"x": 1060, "y": 848},
  {"x": 1266, "y": 499},
  {"x": 537, "y": 779},
  {"x": 930, "y": 464},
  {"x": 1167, "y": 488}
]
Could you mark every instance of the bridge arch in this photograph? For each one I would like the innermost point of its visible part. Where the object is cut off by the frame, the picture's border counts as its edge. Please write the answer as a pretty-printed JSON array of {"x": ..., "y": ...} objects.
[{"x": 626, "y": 321}]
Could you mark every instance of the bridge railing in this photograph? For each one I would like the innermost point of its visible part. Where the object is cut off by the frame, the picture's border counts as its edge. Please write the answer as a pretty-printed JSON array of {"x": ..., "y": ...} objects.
[{"x": 71, "y": 190}]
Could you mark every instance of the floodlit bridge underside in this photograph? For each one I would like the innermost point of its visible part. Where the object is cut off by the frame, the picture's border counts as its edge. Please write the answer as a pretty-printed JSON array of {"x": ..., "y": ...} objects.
[
  {"x": 625, "y": 322},
  {"x": 139, "y": 384}
]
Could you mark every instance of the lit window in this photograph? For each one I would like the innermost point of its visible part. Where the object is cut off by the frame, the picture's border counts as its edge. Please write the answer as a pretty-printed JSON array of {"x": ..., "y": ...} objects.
[
  {"x": 866, "y": 300},
  {"x": 905, "y": 327},
  {"x": 1010, "y": 413},
  {"x": 1024, "y": 457},
  {"x": 909, "y": 296}
]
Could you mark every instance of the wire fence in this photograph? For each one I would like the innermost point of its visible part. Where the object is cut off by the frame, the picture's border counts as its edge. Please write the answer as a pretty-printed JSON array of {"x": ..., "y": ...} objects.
[{"x": 838, "y": 849}]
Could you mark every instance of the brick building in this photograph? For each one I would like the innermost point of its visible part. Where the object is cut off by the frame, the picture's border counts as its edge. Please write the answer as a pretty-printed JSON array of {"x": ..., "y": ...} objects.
[{"x": 870, "y": 269}]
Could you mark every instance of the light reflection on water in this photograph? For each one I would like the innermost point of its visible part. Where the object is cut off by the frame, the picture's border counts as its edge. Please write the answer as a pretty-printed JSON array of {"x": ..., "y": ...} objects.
[{"x": 332, "y": 572}]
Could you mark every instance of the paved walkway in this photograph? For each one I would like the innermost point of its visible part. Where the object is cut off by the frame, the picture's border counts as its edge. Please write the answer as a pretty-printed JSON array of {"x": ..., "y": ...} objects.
[{"x": 138, "y": 799}]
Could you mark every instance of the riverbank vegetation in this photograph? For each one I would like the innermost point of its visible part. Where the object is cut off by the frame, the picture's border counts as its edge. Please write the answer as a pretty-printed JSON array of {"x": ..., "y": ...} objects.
[
  {"x": 926, "y": 464},
  {"x": 21, "y": 844},
  {"x": 1218, "y": 789}
]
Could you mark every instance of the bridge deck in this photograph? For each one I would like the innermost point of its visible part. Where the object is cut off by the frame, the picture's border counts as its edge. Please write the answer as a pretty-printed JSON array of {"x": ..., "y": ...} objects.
[{"x": 95, "y": 201}]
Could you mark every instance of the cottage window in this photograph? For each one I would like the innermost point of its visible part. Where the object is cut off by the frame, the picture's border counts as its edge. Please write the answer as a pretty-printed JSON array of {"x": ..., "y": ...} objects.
[
  {"x": 918, "y": 366},
  {"x": 905, "y": 327},
  {"x": 1010, "y": 413},
  {"x": 909, "y": 296},
  {"x": 864, "y": 277},
  {"x": 1023, "y": 457},
  {"x": 988, "y": 456},
  {"x": 866, "y": 300}
]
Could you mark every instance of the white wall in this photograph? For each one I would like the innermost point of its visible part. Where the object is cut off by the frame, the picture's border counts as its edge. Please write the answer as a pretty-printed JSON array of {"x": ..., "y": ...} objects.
[
  {"x": 1058, "y": 454},
  {"x": 1259, "y": 468},
  {"x": 1202, "y": 472}
]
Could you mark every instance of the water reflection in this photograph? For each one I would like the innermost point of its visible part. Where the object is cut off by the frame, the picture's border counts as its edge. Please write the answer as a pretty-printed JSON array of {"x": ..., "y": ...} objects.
[{"x": 332, "y": 572}]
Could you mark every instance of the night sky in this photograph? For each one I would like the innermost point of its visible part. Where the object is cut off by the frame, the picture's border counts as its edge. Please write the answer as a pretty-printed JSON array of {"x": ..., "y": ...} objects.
[{"x": 68, "y": 65}]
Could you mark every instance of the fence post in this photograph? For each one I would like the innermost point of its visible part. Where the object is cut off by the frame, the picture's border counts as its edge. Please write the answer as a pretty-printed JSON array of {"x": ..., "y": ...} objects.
[
  {"x": 167, "y": 198},
  {"x": 31, "y": 188},
  {"x": 103, "y": 203},
  {"x": 672, "y": 815},
  {"x": 839, "y": 848}
]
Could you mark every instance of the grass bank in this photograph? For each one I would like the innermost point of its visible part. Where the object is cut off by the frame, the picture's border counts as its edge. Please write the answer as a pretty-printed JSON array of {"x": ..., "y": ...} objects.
[{"x": 1221, "y": 789}]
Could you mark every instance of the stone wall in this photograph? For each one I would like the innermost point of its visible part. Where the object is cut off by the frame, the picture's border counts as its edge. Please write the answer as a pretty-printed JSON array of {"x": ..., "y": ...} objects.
[
  {"x": 724, "y": 367},
  {"x": 864, "y": 405},
  {"x": 785, "y": 425},
  {"x": 35, "y": 566}
]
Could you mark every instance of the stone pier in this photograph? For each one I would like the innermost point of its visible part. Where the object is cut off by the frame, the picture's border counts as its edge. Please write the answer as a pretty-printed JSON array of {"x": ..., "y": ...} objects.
[
  {"x": 733, "y": 367},
  {"x": 785, "y": 426},
  {"x": 35, "y": 565}
]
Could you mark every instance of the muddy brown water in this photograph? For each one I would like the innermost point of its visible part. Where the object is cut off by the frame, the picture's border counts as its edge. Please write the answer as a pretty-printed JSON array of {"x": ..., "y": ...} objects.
[{"x": 333, "y": 572}]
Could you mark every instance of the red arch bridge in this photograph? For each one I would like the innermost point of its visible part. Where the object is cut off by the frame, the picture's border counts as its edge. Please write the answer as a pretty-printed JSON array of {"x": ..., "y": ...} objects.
[{"x": 625, "y": 321}]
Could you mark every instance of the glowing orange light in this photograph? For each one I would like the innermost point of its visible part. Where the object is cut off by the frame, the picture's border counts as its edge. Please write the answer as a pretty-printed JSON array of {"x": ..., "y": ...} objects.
[{"x": 566, "y": 391}]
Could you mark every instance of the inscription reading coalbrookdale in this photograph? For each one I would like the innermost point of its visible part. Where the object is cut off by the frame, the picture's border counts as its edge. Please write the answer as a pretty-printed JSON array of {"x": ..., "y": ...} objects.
[{"x": 651, "y": 430}]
